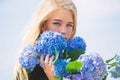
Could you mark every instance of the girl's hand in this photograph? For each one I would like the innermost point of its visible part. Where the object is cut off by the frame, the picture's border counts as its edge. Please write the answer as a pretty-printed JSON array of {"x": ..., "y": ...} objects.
[{"x": 47, "y": 66}]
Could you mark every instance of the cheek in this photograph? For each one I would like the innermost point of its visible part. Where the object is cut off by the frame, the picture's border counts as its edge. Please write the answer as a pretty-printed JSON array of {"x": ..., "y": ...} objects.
[
  {"x": 69, "y": 32},
  {"x": 51, "y": 27}
]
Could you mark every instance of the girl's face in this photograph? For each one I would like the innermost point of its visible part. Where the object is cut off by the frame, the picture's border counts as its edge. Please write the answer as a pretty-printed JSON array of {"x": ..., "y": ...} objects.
[{"x": 60, "y": 21}]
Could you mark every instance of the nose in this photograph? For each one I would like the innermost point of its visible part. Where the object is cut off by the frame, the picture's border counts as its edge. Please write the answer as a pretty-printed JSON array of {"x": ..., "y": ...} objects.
[{"x": 63, "y": 30}]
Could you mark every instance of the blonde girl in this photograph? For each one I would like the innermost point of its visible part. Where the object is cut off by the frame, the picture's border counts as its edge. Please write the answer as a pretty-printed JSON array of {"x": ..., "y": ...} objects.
[{"x": 57, "y": 15}]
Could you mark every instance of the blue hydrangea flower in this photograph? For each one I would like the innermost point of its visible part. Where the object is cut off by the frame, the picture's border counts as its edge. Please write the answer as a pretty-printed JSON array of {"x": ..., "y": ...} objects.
[
  {"x": 27, "y": 59},
  {"x": 74, "y": 77},
  {"x": 78, "y": 77},
  {"x": 60, "y": 68},
  {"x": 76, "y": 43},
  {"x": 115, "y": 72},
  {"x": 49, "y": 41},
  {"x": 93, "y": 68}
]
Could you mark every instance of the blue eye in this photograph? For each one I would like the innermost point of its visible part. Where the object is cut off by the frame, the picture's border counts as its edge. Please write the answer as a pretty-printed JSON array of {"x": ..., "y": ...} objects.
[
  {"x": 69, "y": 25},
  {"x": 56, "y": 23}
]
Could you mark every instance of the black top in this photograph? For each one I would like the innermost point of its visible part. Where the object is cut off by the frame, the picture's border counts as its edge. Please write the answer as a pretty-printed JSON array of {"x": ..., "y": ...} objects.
[{"x": 37, "y": 74}]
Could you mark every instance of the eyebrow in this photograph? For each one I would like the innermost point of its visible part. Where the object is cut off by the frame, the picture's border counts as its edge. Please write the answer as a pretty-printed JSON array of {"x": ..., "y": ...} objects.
[
  {"x": 61, "y": 21},
  {"x": 57, "y": 20}
]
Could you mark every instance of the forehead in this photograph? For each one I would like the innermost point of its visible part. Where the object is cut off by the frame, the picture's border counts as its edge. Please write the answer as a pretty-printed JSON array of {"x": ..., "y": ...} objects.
[{"x": 62, "y": 14}]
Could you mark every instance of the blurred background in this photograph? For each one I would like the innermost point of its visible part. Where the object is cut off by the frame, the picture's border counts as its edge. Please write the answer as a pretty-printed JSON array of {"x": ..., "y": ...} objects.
[{"x": 98, "y": 23}]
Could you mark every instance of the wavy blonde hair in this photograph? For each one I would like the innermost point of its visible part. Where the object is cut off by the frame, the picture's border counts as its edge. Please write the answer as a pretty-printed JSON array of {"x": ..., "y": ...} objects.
[{"x": 43, "y": 13}]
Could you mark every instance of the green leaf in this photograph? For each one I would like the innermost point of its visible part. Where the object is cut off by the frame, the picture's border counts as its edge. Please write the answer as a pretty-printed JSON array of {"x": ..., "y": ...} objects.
[
  {"x": 105, "y": 77},
  {"x": 56, "y": 56},
  {"x": 74, "y": 66},
  {"x": 58, "y": 78},
  {"x": 109, "y": 60},
  {"x": 113, "y": 64},
  {"x": 74, "y": 54},
  {"x": 28, "y": 70}
]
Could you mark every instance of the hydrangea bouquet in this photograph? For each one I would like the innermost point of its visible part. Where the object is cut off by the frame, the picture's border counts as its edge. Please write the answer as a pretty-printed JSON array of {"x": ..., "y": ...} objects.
[
  {"x": 28, "y": 58},
  {"x": 82, "y": 66},
  {"x": 75, "y": 47},
  {"x": 49, "y": 42},
  {"x": 93, "y": 68},
  {"x": 71, "y": 62}
]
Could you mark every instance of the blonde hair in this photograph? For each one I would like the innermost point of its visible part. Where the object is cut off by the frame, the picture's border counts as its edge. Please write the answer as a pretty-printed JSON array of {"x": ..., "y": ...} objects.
[{"x": 43, "y": 13}]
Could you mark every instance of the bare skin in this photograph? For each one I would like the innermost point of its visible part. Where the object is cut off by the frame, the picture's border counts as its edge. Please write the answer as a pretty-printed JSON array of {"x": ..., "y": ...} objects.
[{"x": 48, "y": 67}]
